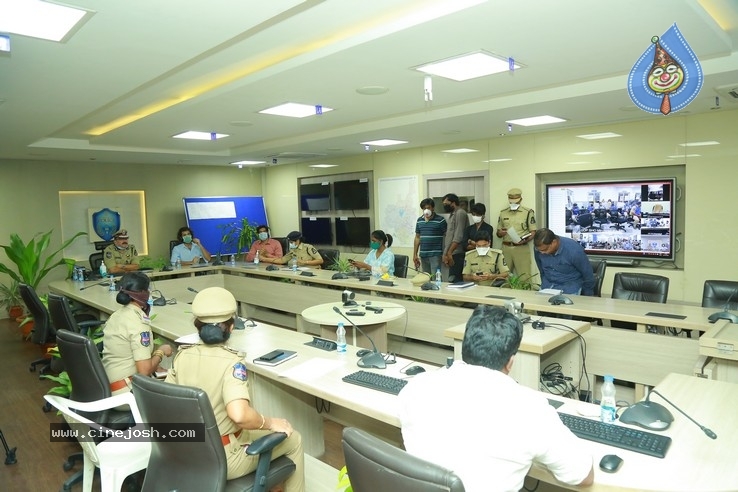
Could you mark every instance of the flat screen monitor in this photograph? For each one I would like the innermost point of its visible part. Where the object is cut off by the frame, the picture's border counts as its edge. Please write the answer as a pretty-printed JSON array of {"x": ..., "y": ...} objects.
[
  {"x": 631, "y": 219},
  {"x": 352, "y": 231},
  {"x": 315, "y": 197},
  {"x": 316, "y": 230},
  {"x": 351, "y": 195}
]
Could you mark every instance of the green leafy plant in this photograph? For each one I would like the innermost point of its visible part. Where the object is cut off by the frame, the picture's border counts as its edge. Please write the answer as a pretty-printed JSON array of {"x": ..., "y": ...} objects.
[
  {"x": 152, "y": 263},
  {"x": 10, "y": 296},
  {"x": 64, "y": 387},
  {"x": 341, "y": 265},
  {"x": 344, "y": 483},
  {"x": 238, "y": 235},
  {"x": 520, "y": 282},
  {"x": 32, "y": 260}
]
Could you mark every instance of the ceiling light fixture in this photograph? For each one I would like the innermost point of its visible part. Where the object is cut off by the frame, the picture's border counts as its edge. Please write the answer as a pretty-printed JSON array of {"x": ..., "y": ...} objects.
[
  {"x": 195, "y": 135},
  {"x": 296, "y": 110},
  {"x": 699, "y": 144},
  {"x": 42, "y": 20},
  {"x": 469, "y": 66},
  {"x": 502, "y": 159},
  {"x": 536, "y": 120},
  {"x": 384, "y": 142},
  {"x": 4, "y": 43},
  {"x": 599, "y": 136},
  {"x": 323, "y": 166},
  {"x": 247, "y": 163},
  {"x": 459, "y": 151},
  {"x": 588, "y": 152}
]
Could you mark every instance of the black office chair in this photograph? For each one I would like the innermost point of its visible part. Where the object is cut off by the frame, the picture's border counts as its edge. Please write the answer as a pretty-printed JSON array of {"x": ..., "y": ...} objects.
[
  {"x": 586, "y": 223},
  {"x": 43, "y": 330},
  {"x": 373, "y": 464},
  {"x": 199, "y": 465},
  {"x": 598, "y": 269},
  {"x": 172, "y": 244},
  {"x": 96, "y": 260},
  {"x": 89, "y": 383},
  {"x": 638, "y": 287},
  {"x": 600, "y": 217},
  {"x": 285, "y": 243},
  {"x": 618, "y": 221},
  {"x": 721, "y": 294},
  {"x": 401, "y": 264},
  {"x": 330, "y": 256},
  {"x": 101, "y": 245},
  {"x": 63, "y": 318}
]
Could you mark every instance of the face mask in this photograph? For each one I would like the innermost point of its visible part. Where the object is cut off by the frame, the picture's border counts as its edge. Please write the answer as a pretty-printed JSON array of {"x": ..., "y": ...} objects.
[
  {"x": 263, "y": 236},
  {"x": 427, "y": 212},
  {"x": 121, "y": 247},
  {"x": 514, "y": 206},
  {"x": 374, "y": 245},
  {"x": 482, "y": 251},
  {"x": 476, "y": 219},
  {"x": 293, "y": 245},
  {"x": 187, "y": 239},
  {"x": 448, "y": 208}
]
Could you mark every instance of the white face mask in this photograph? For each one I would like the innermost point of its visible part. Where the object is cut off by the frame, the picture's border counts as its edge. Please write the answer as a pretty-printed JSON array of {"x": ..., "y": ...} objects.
[
  {"x": 482, "y": 251},
  {"x": 476, "y": 219},
  {"x": 427, "y": 212},
  {"x": 514, "y": 205}
]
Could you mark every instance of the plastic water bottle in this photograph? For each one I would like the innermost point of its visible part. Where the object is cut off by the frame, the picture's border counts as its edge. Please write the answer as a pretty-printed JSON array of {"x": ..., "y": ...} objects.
[
  {"x": 111, "y": 288},
  {"x": 178, "y": 264},
  {"x": 75, "y": 274},
  {"x": 607, "y": 402},
  {"x": 256, "y": 258},
  {"x": 103, "y": 270},
  {"x": 233, "y": 260},
  {"x": 293, "y": 264},
  {"x": 438, "y": 277},
  {"x": 341, "y": 339}
]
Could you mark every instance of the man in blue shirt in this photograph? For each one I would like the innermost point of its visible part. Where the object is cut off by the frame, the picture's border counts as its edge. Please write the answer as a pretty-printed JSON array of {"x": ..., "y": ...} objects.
[
  {"x": 563, "y": 264},
  {"x": 430, "y": 229}
]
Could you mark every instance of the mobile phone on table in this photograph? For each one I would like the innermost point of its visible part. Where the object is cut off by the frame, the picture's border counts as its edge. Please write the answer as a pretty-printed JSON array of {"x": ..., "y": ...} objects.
[{"x": 271, "y": 355}]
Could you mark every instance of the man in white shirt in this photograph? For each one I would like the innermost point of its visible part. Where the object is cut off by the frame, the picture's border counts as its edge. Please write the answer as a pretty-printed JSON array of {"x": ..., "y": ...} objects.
[{"x": 474, "y": 419}]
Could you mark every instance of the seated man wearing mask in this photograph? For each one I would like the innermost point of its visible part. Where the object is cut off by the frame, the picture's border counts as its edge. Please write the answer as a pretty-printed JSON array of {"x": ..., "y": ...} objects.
[
  {"x": 305, "y": 253},
  {"x": 190, "y": 250},
  {"x": 121, "y": 257},
  {"x": 483, "y": 265},
  {"x": 269, "y": 249}
]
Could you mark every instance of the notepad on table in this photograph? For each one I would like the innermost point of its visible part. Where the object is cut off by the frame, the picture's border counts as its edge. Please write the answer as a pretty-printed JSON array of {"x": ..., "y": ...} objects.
[
  {"x": 275, "y": 357},
  {"x": 460, "y": 285}
]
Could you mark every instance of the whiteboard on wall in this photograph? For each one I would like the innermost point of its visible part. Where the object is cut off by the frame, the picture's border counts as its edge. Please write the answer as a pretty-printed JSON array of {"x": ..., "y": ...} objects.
[
  {"x": 207, "y": 215},
  {"x": 398, "y": 209}
]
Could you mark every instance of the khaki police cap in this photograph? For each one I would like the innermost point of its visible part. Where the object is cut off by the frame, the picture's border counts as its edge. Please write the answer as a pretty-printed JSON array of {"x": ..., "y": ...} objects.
[
  {"x": 121, "y": 234},
  {"x": 514, "y": 192},
  {"x": 213, "y": 305}
]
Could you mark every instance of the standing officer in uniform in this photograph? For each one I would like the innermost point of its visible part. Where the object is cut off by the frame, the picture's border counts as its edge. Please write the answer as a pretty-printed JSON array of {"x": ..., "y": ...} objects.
[
  {"x": 305, "y": 253},
  {"x": 129, "y": 343},
  {"x": 121, "y": 257},
  {"x": 483, "y": 265},
  {"x": 523, "y": 220},
  {"x": 220, "y": 372}
]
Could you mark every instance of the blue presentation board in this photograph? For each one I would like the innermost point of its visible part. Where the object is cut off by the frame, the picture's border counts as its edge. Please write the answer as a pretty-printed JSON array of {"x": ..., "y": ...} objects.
[{"x": 207, "y": 215}]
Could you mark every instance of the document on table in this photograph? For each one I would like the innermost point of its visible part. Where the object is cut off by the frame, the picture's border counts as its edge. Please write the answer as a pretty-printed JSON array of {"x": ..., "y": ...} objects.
[{"x": 312, "y": 369}]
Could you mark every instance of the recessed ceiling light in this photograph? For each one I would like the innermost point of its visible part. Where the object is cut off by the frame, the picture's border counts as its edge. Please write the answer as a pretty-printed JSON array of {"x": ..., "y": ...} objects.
[
  {"x": 372, "y": 90},
  {"x": 536, "y": 120},
  {"x": 43, "y": 20},
  {"x": 384, "y": 142},
  {"x": 699, "y": 144},
  {"x": 589, "y": 152},
  {"x": 247, "y": 163},
  {"x": 598, "y": 136},
  {"x": 682, "y": 156},
  {"x": 322, "y": 166},
  {"x": 296, "y": 110},
  {"x": 502, "y": 159},
  {"x": 193, "y": 135},
  {"x": 468, "y": 66},
  {"x": 4, "y": 43},
  {"x": 459, "y": 151}
]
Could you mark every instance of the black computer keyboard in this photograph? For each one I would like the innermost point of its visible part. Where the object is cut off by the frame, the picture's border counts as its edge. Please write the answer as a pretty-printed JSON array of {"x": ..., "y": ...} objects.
[
  {"x": 617, "y": 435},
  {"x": 378, "y": 382}
]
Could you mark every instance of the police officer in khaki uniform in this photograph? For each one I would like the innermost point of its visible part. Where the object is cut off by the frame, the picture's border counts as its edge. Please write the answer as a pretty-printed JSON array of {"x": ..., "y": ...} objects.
[
  {"x": 523, "y": 220},
  {"x": 121, "y": 257},
  {"x": 129, "y": 343},
  {"x": 483, "y": 265},
  {"x": 305, "y": 253},
  {"x": 220, "y": 372}
]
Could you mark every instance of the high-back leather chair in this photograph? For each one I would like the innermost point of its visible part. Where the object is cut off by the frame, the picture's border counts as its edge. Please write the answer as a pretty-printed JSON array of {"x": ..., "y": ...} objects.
[
  {"x": 638, "y": 287},
  {"x": 199, "y": 465},
  {"x": 63, "y": 318},
  {"x": 43, "y": 330},
  {"x": 330, "y": 256},
  {"x": 96, "y": 260},
  {"x": 722, "y": 294},
  {"x": 373, "y": 464},
  {"x": 401, "y": 264},
  {"x": 598, "y": 269},
  {"x": 285, "y": 243}
]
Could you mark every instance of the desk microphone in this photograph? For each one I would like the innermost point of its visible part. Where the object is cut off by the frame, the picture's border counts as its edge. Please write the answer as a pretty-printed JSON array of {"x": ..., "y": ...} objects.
[
  {"x": 217, "y": 261},
  {"x": 652, "y": 415},
  {"x": 724, "y": 314},
  {"x": 192, "y": 290},
  {"x": 372, "y": 359},
  {"x": 709, "y": 433}
]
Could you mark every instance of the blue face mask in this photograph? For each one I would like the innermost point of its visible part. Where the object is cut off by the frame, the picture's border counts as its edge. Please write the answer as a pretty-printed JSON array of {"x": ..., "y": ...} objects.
[
  {"x": 263, "y": 236},
  {"x": 293, "y": 245},
  {"x": 374, "y": 245}
]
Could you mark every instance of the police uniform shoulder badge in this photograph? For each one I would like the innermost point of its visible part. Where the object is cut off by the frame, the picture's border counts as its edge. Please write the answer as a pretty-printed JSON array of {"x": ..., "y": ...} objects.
[
  {"x": 145, "y": 338},
  {"x": 239, "y": 371}
]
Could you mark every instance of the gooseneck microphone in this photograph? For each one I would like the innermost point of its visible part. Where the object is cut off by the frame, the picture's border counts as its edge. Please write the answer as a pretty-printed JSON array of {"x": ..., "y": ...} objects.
[
  {"x": 193, "y": 290},
  {"x": 373, "y": 359},
  {"x": 724, "y": 314},
  {"x": 107, "y": 282},
  {"x": 709, "y": 433}
]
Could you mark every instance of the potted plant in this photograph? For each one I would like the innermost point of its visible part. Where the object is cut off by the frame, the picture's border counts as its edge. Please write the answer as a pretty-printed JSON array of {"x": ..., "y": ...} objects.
[
  {"x": 32, "y": 261},
  {"x": 10, "y": 299},
  {"x": 341, "y": 265},
  {"x": 520, "y": 282},
  {"x": 239, "y": 235}
]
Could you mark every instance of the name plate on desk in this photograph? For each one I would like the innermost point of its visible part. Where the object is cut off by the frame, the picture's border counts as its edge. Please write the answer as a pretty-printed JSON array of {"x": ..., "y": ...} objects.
[
  {"x": 386, "y": 283},
  {"x": 506, "y": 298},
  {"x": 307, "y": 274},
  {"x": 667, "y": 315}
]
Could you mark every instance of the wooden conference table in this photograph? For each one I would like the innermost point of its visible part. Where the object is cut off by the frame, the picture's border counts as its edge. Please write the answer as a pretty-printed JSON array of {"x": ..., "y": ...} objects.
[{"x": 308, "y": 388}]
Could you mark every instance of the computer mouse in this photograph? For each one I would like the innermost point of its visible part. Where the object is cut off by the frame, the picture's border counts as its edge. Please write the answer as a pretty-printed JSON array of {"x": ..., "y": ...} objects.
[
  {"x": 610, "y": 463},
  {"x": 429, "y": 286},
  {"x": 559, "y": 299},
  {"x": 363, "y": 352},
  {"x": 271, "y": 268},
  {"x": 413, "y": 370},
  {"x": 339, "y": 276}
]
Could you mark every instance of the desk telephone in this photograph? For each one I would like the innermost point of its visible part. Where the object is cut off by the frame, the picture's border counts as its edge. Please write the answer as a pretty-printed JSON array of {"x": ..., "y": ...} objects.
[{"x": 322, "y": 344}]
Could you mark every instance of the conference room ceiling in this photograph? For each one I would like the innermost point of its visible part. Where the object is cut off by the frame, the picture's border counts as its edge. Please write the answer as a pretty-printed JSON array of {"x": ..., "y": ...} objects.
[{"x": 140, "y": 71}]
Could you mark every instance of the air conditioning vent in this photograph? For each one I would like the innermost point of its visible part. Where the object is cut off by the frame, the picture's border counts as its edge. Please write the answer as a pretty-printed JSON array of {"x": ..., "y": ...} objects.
[{"x": 728, "y": 92}]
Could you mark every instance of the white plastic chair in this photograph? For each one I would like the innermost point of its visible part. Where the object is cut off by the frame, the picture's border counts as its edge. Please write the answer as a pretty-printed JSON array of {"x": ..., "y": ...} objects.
[{"x": 116, "y": 458}]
